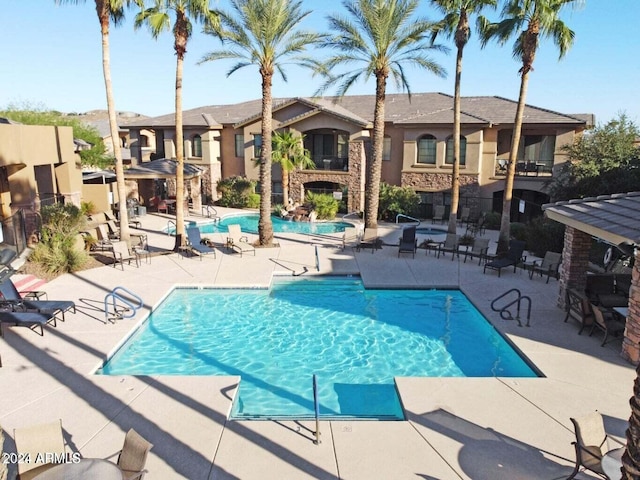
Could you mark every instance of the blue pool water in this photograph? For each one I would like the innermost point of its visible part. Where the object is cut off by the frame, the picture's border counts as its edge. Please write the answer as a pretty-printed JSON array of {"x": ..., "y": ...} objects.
[
  {"x": 249, "y": 224},
  {"x": 430, "y": 231},
  {"x": 355, "y": 340}
]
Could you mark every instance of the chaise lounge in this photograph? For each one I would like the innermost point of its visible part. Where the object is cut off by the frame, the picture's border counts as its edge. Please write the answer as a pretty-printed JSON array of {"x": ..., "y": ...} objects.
[
  {"x": 513, "y": 257},
  {"x": 32, "y": 320},
  {"x": 238, "y": 242},
  {"x": 196, "y": 245},
  {"x": 9, "y": 296}
]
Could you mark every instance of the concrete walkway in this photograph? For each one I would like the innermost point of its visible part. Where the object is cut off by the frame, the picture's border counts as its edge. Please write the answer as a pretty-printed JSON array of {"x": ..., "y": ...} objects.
[{"x": 469, "y": 428}]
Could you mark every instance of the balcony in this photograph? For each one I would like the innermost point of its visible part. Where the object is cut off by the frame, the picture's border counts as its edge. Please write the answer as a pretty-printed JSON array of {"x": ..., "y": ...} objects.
[
  {"x": 525, "y": 169},
  {"x": 324, "y": 162}
]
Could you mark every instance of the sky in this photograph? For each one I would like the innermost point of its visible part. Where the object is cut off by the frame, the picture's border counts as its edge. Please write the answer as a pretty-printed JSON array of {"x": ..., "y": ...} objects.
[{"x": 51, "y": 58}]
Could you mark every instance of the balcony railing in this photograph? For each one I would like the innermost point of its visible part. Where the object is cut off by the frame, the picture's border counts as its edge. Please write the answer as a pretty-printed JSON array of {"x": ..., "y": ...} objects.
[
  {"x": 324, "y": 162},
  {"x": 526, "y": 169}
]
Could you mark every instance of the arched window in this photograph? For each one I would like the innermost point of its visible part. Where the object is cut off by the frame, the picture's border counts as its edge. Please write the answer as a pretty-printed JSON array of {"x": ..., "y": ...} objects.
[
  {"x": 386, "y": 149},
  {"x": 427, "y": 149},
  {"x": 196, "y": 146},
  {"x": 463, "y": 151},
  {"x": 144, "y": 141}
]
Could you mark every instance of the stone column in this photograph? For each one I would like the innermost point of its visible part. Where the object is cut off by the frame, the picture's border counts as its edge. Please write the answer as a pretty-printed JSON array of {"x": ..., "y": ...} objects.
[
  {"x": 630, "y": 348},
  {"x": 575, "y": 262}
]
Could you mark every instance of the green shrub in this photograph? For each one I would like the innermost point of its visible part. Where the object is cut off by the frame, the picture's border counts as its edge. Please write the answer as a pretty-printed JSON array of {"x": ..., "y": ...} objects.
[
  {"x": 492, "y": 220},
  {"x": 56, "y": 252},
  {"x": 324, "y": 205},
  {"x": 394, "y": 200},
  {"x": 235, "y": 192},
  {"x": 253, "y": 200},
  {"x": 88, "y": 208},
  {"x": 518, "y": 231},
  {"x": 544, "y": 235}
]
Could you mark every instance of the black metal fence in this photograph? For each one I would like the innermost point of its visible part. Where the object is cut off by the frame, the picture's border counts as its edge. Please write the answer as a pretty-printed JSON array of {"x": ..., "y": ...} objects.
[{"x": 14, "y": 234}]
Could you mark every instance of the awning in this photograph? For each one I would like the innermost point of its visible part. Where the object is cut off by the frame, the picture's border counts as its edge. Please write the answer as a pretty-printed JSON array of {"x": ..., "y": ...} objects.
[
  {"x": 612, "y": 218},
  {"x": 161, "y": 168},
  {"x": 101, "y": 176}
]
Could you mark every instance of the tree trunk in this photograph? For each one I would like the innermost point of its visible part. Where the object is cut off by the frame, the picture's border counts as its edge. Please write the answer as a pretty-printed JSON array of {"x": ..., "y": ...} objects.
[
  {"x": 631, "y": 456},
  {"x": 505, "y": 221},
  {"x": 265, "y": 226},
  {"x": 180, "y": 231},
  {"x": 372, "y": 191},
  {"x": 285, "y": 187},
  {"x": 455, "y": 174},
  {"x": 104, "y": 18}
]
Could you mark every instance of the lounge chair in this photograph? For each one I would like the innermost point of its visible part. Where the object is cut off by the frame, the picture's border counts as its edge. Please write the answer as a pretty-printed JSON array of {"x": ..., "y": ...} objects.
[
  {"x": 32, "y": 320},
  {"x": 451, "y": 244},
  {"x": 350, "y": 237},
  {"x": 549, "y": 266},
  {"x": 40, "y": 443},
  {"x": 592, "y": 443},
  {"x": 133, "y": 456},
  {"x": 578, "y": 307},
  {"x": 121, "y": 254},
  {"x": 195, "y": 243},
  {"x": 438, "y": 214},
  {"x": 238, "y": 242},
  {"x": 408, "y": 242},
  {"x": 369, "y": 239},
  {"x": 133, "y": 221},
  {"x": 104, "y": 240},
  {"x": 479, "y": 248},
  {"x": 513, "y": 257},
  {"x": 607, "y": 322},
  {"x": 10, "y": 296},
  {"x": 465, "y": 212}
]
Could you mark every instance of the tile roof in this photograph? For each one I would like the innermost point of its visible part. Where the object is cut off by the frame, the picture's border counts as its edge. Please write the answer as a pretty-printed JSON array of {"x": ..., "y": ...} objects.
[
  {"x": 423, "y": 108},
  {"x": 161, "y": 168},
  {"x": 613, "y": 218}
]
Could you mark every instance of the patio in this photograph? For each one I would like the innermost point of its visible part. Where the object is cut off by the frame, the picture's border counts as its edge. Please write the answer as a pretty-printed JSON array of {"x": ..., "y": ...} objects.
[{"x": 475, "y": 428}]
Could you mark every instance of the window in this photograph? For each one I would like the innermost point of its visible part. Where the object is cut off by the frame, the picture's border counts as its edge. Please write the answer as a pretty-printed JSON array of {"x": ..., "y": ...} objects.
[
  {"x": 386, "y": 149},
  {"x": 463, "y": 151},
  {"x": 537, "y": 148},
  {"x": 196, "y": 146},
  {"x": 427, "y": 150},
  {"x": 144, "y": 141},
  {"x": 239, "y": 145},
  {"x": 343, "y": 145},
  {"x": 257, "y": 145}
]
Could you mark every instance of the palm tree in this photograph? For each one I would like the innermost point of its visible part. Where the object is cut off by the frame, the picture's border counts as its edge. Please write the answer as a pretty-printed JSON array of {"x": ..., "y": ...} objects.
[
  {"x": 383, "y": 38},
  {"x": 112, "y": 11},
  {"x": 290, "y": 153},
  {"x": 264, "y": 33},
  {"x": 456, "y": 23},
  {"x": 158, "y": 19},
  {"x": 539, "y": 18}
]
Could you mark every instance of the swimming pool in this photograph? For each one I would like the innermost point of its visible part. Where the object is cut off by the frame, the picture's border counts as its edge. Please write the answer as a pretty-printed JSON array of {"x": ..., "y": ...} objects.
[
  {"x": 249, "y": 223},
  {"x": 430, "y": 231},
  {"x": 355, "y": 340}
]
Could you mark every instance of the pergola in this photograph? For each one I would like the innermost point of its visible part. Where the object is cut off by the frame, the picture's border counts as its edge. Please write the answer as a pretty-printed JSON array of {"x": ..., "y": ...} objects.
[{"x": 615, "y": 219}]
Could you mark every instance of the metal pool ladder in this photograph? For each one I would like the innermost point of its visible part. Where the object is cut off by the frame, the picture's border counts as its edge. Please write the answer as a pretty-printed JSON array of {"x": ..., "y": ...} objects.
[
  {"x": 516, "y": 299},
  {"x": 128, "y": 310}
]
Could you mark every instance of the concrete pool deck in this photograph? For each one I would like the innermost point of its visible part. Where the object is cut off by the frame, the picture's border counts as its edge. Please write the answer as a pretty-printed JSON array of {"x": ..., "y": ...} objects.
[{"x": 469, "y": 428}]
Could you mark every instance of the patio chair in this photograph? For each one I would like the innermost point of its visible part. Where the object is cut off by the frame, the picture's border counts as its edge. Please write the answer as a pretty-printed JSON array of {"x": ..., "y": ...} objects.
[
  {"x": 465, "y": 212},
  {"x": 578, "y": 307},
  {"x": 408, "y": 242},
  {"x": 9, "y": 295},
  {"x": 36, "y": 441},
  {"x": 195, "y": 243},
  {"x": 104, "y": 240},
  {"x": 32, "y": 320},
  {"x": 513, "y": 257},
  {"x": 549, "y": 266},
  {"x": 238, "y": 242},
  {"x": 592, "y": 443},
  {"x": 133, "y": 456},
  {"x": 350, "y": 237},
  {"x": 479, "y": 248},
  {"x": 607, "y": 322},
  {"x": 133, "y": 220},
  {"x": 369, "y": 239},
  {"x": 450, "y": 244},
  {"x": 438, "y": 214},
  {"x": 121, "y": 254}
]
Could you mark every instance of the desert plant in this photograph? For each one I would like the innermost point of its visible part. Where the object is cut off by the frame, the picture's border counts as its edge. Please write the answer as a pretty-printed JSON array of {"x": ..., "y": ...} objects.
[
  {"x": 324, "y": 205},
  {"x": 519, "y": 231},
  {"x": 88, "y": 208},
  {"x": 492, "y": 220},
  {"x": 253, "y": 200},
  {"x": 56, "y": 252}
]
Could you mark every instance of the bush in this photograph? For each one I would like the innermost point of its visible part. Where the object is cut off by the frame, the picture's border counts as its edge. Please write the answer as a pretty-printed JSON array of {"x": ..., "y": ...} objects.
[
  {"x": 324, "y": 205},
  {"x": 543, "y": 235},
  {"x": 492, "y": 221},
  {"x": 518, "y": 231},
  {"x": 236, "y": 192},
  {"x": 396, "y": 200},
  {"x": 253, "y": 200},
  {"x": 88, "y": 208},
  {"x": 56, "y": 252}
]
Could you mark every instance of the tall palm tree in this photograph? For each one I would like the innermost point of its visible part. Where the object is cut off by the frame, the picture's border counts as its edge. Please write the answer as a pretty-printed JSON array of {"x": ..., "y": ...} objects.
[
  {"x": 158, "y": 19},
  {"x": 289, "y": 152},
  {"x": 539, "y": 18},
  {"x": 456, "y": 23},
  {"x": 264, "y": 33},
  {"x": 383, "y": 38},
  {"x": 112, "y": 11}
]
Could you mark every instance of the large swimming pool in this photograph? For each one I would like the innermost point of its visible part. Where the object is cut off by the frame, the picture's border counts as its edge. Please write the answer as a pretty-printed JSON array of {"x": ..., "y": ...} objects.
[
  {"x": 355, "y": 340},
  {"x": 249, "y": 224}
]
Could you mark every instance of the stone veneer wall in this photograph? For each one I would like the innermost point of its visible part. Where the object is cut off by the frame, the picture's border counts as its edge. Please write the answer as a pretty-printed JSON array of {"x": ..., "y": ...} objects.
[
  {"x": 631, "y": 341},
  {"x": 441, "y": 182},
  {"x": 575, "y": 263}
]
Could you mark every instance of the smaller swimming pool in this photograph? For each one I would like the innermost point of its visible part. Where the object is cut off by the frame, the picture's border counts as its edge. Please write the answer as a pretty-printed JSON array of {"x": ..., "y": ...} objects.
[
  {"x": 430, "y": 231},
  {"x": 249, "y": 223}
]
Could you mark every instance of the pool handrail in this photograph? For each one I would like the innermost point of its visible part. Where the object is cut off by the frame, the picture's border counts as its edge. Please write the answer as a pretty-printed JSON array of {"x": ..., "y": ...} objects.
[
  {"x": 353, "y": 214},
  {"x": 407, "y": 216},
  {"x": 316, "y": 407},
  {"x": 114, "y": 295}
]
